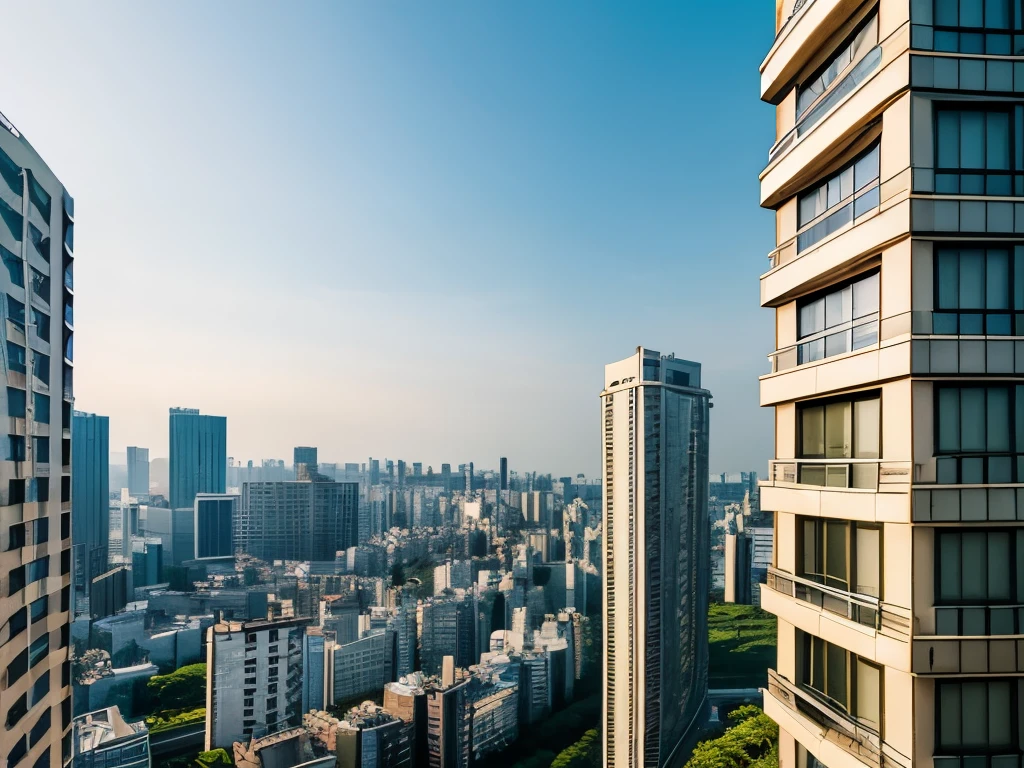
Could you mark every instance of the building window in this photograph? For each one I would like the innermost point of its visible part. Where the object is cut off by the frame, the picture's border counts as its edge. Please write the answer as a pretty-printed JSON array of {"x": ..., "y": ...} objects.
[
  {"x": 18, "y": 623},
  {"x": 41, "y": 407},
  {"x": 861, "y": 42},
  {"x": 39, "y": 608},
  {"x": 16, "y": 312},
  {"x": 41, "y": 449},
  {"x": 17, "y": 668},
  {"x": 39, "y": 650},
  {"x": 41, "y": 367},
  {"x": 972, "y": 26},
  {"x": 15, "y": 267},
  {"x": 38, "y": 569},
  {"x": 978, "y": 437},
  {"x": 977, "y": 289},
  {"x": 973, "y": 153},
  {"x": 842, "y": 554},
  {"x": 845, "y": 680},
  {"x": 40, "y": 285},
  {"x": 42, "y": 322},
  {"x": 40, "y": 728},
  {"x": 844, "y": 319},
  {"x": 838, "y": 201},
  {"x": 15, "y": 448},
  {"x": 840, "y": 429},
  {"x": 18, "y": 752},
  {"x": 40, "y": 688},
  {"x": 978, "y": 567},
  {"x": 976, "y": 717},
  {"x": 16, "y": 357}
]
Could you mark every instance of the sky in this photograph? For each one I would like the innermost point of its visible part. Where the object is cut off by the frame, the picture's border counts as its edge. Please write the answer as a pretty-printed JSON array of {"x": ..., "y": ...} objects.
[{"x": 411, "y": 230}]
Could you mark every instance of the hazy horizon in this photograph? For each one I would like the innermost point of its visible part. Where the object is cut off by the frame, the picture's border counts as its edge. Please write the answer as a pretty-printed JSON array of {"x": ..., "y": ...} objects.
[{"x": 404, "y": 230}]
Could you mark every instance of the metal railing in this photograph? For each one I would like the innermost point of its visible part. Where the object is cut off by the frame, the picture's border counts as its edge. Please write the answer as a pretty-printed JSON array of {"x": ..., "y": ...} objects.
[
  {"x": 863, "y": 474},
  {"x": 839, "y": 728},
  {"x": 859, "y": 608}
]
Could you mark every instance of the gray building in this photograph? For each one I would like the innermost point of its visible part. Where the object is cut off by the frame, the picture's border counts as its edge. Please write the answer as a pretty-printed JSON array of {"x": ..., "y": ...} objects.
[
  {"x": 102, "y": 738},
  {"x": 138, "y": 471},
  {"x": 214, "y": 520},
  {"x": 297, "y": 520},
  {"x": 198, "y": 455},
  {"x": 36, "y": 287},
  {"x": 90, "y": 490},
  {"x": 254, "y": 679},
  {"x": 362, "y": 667},
  {"x": 657, "y": 557}
]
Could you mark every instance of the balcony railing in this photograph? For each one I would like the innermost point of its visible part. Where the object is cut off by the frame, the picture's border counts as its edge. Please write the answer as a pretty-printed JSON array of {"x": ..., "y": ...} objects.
[
  {"x": 838, "y": 727},
  {"x": 863, "y": 474},
  {"x": 859, "y": 608}
]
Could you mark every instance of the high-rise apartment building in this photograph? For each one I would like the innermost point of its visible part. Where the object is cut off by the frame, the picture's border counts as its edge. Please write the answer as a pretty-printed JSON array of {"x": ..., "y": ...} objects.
[
  {"x": 138, "y": 471},
  {"x": 897, "y": 284},
  {"x": 297, "y": 520},
  {"x": 656, "y": 558},
  {"x": 90, "y": 518},
  {"x": 198, "y": 455},
  {"x": 37, "y": 250},
  {"x": 254, "y": 679}
]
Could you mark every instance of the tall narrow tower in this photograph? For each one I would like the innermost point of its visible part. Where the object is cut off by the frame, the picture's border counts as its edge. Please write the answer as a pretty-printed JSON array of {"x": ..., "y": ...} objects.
[
  {"x": 897, "y": 182},
  {"x": 36, "y": 296},
  {"x": 656, "y": 558}
]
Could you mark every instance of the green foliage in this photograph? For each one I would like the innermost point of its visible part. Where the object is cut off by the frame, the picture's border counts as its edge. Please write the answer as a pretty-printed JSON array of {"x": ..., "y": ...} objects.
[
  {"x": 583, "y": 754},
  {"x": 174, "y": 718},
  {"x": 742, "y": 642},
  {"x": 557, "y": 731},
  {"x": 184, "y": 688},
  {"x": 214, "y": 757},
  {"x": 752, "y": 741}
]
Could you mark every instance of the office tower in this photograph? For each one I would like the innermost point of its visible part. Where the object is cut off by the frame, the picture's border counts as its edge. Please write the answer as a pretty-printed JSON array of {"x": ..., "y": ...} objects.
[
  {"x": 108, "y": 592},
  {"x": 314, "y": 669},
  {"x": 199, "y": 457},
  {"x": 897, "y": 284},
  {"x": 502, "y": 474},
  {"x": 215, "y": 514},
  {"x": 374, "y": 471},
  {"x": 446, "y": 477},
  {"x": 147, "y": 561},
  {"x": 36, "y": 246},
  {"x": 254, "y": 679},
  {"x": 447, "y": 627},
  {"x": 656, "y": 558},
  {"x": 401, "y": 473},
  {"x": 449, "y": 718},
  {"x": 138, "y": 471},
  {"x": 297, "y": 520},
  {"x": 368, "y": 735},
  {"x": 90, "y": 518},
  {"x": 305, "y": 456},
  {"x": 103, "y": 738},
  {"x": 360, "y": 667},
  {"x": 417, "y": 469},
  {"x": 405, "y": 640}
]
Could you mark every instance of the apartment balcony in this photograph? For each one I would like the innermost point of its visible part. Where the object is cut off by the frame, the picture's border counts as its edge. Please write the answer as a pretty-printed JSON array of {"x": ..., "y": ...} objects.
[
  {"x": 865, "y": 625},
  {"x": 869, "y": 490},
  {"x": 835, "y": 738},
  {"x": 842, "y": 114},
  {"x": 805, "y": 28},
  {"x": 795, "y": 272},
  {"x": 789, "y": 380}
]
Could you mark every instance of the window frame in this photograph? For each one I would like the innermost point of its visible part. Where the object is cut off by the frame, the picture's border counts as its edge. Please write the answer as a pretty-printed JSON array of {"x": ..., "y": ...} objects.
[
  {"x": 940, "y": 750},
  {"x": 1012, "y": 32},
  {"x": 872, "y": 186},
  {"x": 852, "y": 661},
  {"x": 942, "y": 602},
  {"x": 849, "y": 326},
  {"x": 1015, "y": 272},
  {"x": 986, "y": 108}
]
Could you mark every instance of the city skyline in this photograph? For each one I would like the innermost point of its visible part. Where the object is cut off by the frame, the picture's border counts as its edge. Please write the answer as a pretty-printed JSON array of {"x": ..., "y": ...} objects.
[{"x": 443, "y": 219}]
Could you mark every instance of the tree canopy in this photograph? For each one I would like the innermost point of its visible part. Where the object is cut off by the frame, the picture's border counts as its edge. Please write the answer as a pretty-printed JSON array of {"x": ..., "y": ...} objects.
[
  {"x": 184, "y": 688},
  {"x": 752, "y": 742}
]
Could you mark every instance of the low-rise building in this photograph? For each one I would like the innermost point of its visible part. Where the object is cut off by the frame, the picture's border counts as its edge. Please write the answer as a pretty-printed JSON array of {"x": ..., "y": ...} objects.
[{"x": 102, "y": 738}]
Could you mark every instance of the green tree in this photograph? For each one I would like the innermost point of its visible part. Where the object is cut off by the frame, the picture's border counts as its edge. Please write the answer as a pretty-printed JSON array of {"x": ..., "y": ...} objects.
[
  {"x": 752, "y": 742},
  {"x": 584, "y": 753},
  {"x": 184, "y": 688},
  {"x": 397, "y": 574},
  {"x": 213, "y": 757}
]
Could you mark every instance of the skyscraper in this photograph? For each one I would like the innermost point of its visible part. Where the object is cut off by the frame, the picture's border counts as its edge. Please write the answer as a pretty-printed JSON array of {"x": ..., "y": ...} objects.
[
  {"x": 297, "y": 520},
  {"x": 90, "y": 514},
  {"x": 215, "y": 515},
  {"x": 657, "y": 558},
  {"x": 896, "y": 283},
  {"x": 37, "y": 249},
  {"x": 305, "y": 455},
  {"x": 503, "y": 474},
  {"x": 138, "y": 471},
  {"x": 198, "y": 455}
]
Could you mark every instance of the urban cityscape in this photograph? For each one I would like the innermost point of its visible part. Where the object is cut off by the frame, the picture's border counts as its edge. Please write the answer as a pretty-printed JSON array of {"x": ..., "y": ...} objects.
[{"x": 220, "y": 595}]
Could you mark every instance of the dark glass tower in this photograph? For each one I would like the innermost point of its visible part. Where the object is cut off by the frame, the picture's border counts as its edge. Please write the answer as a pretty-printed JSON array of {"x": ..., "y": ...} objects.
[
  {"x": 90, "y": 531},
  {"x": 198, "y": 455}
]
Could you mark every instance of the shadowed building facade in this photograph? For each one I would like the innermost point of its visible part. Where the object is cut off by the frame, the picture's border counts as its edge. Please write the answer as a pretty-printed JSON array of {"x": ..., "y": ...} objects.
[{"x": 656, "y": 558}]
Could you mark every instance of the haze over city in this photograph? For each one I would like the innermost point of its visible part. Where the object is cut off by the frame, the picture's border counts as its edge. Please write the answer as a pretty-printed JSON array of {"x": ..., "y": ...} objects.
[{"x": 284, "y": 222}]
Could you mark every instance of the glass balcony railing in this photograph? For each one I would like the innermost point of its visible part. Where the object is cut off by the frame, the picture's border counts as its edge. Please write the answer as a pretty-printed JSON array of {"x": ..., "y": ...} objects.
[
  {"x": 862, "y": 609},
  {"x": 862, "y": 474}
]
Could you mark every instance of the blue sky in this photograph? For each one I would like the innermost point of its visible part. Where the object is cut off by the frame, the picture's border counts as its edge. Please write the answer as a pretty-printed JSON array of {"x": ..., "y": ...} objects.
[{"x": 407, "y": 229}]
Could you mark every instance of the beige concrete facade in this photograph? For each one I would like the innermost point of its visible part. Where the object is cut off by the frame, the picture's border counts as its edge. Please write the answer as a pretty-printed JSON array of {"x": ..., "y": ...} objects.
[{"x": 897, "y": 281}]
